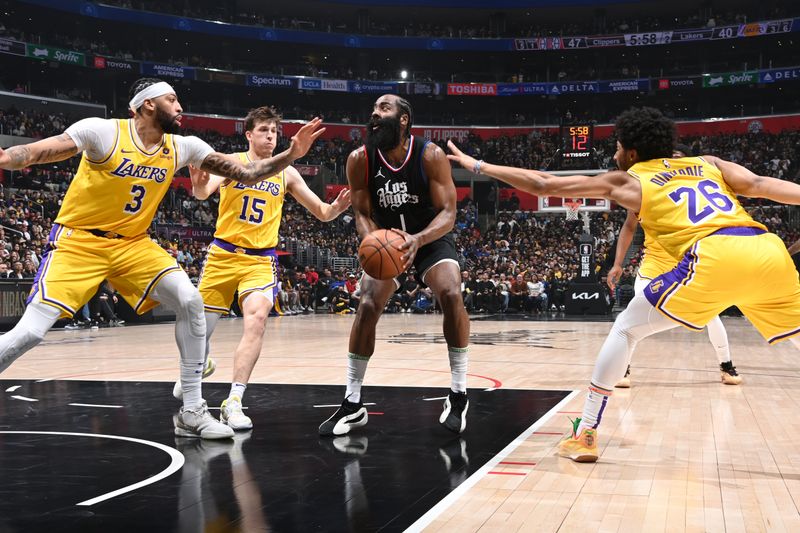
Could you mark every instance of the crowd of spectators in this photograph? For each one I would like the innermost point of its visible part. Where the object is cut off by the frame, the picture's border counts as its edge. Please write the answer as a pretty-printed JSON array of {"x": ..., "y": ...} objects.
[
  {"x": 545, "y": 69},
  {"x": 521, "y": 262},
  {"x": 525, "y": 26}
]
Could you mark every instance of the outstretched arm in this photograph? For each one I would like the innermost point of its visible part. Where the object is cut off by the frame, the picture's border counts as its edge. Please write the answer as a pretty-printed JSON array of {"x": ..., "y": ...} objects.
[
  {"x": 50, "y": 150},
  {"x": 745, "y": 183},
  {"x": 297, "y": 187},
  {"x": 204, "y": 184},
  {"x": 617, "y": 185},
  {"x": 221, "y": 165}
]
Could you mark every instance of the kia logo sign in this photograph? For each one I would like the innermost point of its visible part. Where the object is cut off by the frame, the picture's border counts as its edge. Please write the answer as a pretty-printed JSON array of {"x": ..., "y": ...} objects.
[{"x": 586, "y": 296}]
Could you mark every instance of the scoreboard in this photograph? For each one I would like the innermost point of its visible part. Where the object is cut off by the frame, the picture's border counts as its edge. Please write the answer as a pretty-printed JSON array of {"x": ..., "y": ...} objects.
[{"x": 577, "y": 149}]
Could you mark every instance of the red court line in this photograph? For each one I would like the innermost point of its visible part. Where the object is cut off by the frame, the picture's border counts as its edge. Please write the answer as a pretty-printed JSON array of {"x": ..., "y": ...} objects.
[
  {"x": 509, "y": 473},
  {"x": 516, "y": 463},
  {"x": 375, "y": 413}
]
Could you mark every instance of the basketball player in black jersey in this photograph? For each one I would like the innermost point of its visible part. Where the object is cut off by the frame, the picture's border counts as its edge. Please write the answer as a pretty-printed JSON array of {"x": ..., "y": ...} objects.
[{"x": 401, "y": 182}]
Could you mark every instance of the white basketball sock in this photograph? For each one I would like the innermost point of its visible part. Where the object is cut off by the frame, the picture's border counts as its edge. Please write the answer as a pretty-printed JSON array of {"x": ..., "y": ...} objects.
[
  {"x": 177, "y": 292},
  {"x": 237, "y": 389},
  {"x": 638, "y": 321},
  {"x": 459, "y": 359},
  {"x": 356, "y": 369},
  {"x": 719, "y": 339}
]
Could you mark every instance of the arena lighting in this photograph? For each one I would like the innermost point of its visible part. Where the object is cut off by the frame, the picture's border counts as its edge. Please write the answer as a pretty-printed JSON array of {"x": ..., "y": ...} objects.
[{"x": 403, "y": 74}]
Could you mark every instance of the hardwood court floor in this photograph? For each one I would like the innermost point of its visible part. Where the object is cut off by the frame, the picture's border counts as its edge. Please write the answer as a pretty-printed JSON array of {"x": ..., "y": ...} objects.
[{"x": 680, "y": 451}]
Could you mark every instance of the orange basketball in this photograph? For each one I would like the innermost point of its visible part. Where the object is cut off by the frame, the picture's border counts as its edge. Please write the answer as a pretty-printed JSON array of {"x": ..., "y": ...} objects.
[{"x": 380, "y": 255}]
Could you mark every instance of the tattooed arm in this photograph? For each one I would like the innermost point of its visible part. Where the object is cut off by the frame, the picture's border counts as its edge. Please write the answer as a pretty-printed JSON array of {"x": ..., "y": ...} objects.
[
  {"x": 50, "y": 150},
  {"x": 219, "y": 164}
]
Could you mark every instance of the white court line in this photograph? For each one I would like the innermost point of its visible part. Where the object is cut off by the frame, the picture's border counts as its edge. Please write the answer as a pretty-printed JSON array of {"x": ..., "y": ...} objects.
[
  {"x": 174, "y": 466},
  {"x": 12, "y": 389},
  {"x": 431, "y": 399},
  {"x": 339, "y": 405},
  {"x": 426, "y": 519},
  {"x": 24, "y": 398},
  {"x": 95, "y": 405},
  {"x": 218, "y": 408},
  {"x": 45, "y": 380}
]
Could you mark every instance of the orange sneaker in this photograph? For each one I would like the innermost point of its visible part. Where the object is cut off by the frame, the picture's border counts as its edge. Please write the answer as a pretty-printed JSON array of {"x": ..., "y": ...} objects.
[
  {"x": 580, "y": 448},
  {"x": 625, "y": 382}
]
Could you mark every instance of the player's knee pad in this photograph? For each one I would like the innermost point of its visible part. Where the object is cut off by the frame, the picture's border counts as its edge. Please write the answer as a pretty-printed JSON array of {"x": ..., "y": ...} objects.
[{"x": 192, "y": 307}]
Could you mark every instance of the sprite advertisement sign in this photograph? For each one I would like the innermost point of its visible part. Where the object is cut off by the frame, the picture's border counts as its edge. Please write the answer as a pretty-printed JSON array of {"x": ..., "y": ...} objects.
[
  {"x": 726, "y": 79},
  {"x": 48, "y": 53}
]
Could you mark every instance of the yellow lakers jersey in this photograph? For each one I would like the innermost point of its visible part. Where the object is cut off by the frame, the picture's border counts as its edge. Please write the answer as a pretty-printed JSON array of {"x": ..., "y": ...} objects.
[
  {"x": 656, "y": 260},
  {"x": 121, "y": 192},
  {"x": 684, "y": 200},
  {"x": 250, "y": 215}
]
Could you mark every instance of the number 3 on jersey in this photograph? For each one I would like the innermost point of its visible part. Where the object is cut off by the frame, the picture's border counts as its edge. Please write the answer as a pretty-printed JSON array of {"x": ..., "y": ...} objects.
[
  {"x": 717, "y": 202},
  {"x": 255, "y": 213},
  {"x": 137, "y": 191}
]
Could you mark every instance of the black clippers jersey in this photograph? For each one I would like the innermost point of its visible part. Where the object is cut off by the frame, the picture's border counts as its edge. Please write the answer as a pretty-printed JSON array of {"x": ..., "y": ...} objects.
[{"x": 400, "y": 196}]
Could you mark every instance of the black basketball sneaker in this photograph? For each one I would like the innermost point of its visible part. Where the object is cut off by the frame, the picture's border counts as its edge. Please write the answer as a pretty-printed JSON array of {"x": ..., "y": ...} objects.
[
  {"x": 454, "y": 414},
  {"x": 350, "y": 415}
]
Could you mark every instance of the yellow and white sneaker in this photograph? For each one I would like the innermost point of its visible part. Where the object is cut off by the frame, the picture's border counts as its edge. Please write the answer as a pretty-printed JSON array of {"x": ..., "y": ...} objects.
[
  {"x": 211, "y": 366},
  {"x": 729, "y": 374},
  {"x": 580, "y": 448},
  {"x": 625, "y": 382},
  {"x": 230, "y": 412}
]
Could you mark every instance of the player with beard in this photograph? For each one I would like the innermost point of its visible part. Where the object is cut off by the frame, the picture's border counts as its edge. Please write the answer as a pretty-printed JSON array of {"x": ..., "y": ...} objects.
[
  {"x": 101, "y": 229},
  {"x": 403, "y": 182},
  {"x": 657, "y": 261}
]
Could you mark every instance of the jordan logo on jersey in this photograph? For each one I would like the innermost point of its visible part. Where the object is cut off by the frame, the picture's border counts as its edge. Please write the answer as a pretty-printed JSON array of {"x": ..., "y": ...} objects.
[
  {"x": 380, "y": 173},
  {"x": 393, "y": 195},
  {"x": 130, "y": 169}
]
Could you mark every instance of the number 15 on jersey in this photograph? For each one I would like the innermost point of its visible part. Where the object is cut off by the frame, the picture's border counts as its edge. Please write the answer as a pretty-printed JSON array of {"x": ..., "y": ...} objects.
[{"x": 252, "y": 210}]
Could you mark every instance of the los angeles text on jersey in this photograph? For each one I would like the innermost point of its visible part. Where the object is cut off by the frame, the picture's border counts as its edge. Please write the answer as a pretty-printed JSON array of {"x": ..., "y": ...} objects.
[
  {"x": 394, "y": 195},
  {"x": 130, "y": 169},
  {"x": 267, "y": 186}
]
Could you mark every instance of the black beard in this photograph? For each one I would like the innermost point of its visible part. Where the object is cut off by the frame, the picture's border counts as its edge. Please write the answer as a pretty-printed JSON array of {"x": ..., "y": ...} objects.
[
  {"x": 386, "y": 136},
  {"x": 167, "y": 123}
]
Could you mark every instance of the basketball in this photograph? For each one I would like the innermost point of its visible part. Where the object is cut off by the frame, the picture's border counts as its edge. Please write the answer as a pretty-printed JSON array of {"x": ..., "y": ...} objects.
[{"x": 380, "y": 254}]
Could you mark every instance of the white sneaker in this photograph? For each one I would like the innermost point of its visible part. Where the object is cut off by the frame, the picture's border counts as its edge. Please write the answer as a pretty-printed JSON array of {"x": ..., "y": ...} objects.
[
  {"x": 177, "y": 389},
  {"x": 199, "y": 423},
  {"x": 230, "y": 412}
]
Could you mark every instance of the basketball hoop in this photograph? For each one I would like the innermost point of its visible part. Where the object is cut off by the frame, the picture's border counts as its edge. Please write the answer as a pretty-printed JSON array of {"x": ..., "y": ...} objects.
[{"x": 572, "y": 206}]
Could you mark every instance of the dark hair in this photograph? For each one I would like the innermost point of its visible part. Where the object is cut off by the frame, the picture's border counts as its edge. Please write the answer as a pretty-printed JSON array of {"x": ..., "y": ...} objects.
[
  {"x": 685, "y": 149},
  {"x": 647, "y": 131},
  {"x": 405, "y": 107},
  {"x": 140, "y": 85},
  {"x": 261, "y": 114}
]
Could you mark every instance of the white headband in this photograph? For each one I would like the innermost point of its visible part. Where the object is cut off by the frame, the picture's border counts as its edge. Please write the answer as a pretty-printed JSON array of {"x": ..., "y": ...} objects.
[{"x": 153, "y": 91}]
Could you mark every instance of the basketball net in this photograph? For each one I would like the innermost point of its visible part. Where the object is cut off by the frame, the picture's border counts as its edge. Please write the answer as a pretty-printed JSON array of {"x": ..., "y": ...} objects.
[{"x": 573, "y": 206}]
